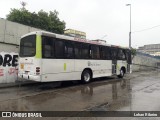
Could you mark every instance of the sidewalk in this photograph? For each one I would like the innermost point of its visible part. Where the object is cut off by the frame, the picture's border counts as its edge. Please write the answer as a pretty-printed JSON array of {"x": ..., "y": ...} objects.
[{"x": 15, "y": 84}]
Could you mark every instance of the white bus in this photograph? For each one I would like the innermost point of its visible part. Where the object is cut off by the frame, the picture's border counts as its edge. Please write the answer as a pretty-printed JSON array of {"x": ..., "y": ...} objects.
[{"x": 46, "y": 56}]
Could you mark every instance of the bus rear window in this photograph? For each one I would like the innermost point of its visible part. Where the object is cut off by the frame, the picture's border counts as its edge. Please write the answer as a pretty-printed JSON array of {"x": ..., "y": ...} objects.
[{"x": 28, "y": 46}]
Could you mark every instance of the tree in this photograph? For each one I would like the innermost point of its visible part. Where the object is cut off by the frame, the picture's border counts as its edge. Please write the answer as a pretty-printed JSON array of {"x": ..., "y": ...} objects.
[
  {"x": 133, "y": 52},
  {"x": 43, "y": 20},
  {"x": 23, "y": 4}
]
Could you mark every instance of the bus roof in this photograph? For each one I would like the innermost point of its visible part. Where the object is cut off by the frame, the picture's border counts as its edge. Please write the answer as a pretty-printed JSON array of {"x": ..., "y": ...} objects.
[{"x": 69, "y": 38}]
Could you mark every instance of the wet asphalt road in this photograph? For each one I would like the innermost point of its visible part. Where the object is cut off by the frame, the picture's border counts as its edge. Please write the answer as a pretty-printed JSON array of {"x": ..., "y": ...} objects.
[{"x": 139, "y": 91}]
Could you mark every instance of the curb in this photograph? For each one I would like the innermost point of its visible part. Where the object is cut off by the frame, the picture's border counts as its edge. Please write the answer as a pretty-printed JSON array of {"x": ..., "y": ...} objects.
[{"x": 16, "y": 84}]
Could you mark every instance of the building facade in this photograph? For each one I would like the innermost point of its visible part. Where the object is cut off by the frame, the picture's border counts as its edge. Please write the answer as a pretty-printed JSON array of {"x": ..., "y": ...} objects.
[
  {"x": 75, "y": 33},
  {"x": 10, "y": 34},
  {"x": 152, "y": 49}
]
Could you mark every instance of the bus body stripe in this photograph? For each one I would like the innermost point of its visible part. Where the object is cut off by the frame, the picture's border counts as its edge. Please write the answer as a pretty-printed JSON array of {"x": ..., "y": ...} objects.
[
  {"x": 65, "y": 66},
  {"x": 38, "y": 46}
]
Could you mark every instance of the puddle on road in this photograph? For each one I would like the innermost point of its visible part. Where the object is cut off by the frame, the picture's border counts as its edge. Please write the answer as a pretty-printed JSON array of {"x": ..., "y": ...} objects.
[
  {"x": 103, "y": 95},
  {"x": 153, "y": 88},
  {"x": 71, "y": 97},
  {"x": 101, "y": 107}
]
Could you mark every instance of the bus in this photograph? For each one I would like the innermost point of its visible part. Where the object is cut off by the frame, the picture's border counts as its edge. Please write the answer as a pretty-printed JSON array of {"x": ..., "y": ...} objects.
[{"x": 45, "y": 57}]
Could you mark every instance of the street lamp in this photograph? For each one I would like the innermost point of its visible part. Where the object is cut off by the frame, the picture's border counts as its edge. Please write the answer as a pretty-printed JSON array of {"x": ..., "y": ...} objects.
[{"x": 130, "y": 26}]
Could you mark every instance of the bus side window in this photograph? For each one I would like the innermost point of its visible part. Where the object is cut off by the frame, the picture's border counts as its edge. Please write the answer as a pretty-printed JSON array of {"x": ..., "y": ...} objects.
[
  {"x": 69, "y": 49},
  {"x": 77, "y": 50},
  {"x": 114, "y": 53},
  {"x": 103, "y": 55},
  {"x": 85, "y": 51},
  {"x": 124, "y": 55},
  {"x": 47, "y": 47},
  {"x": 128, "y": 56},
  {"x": 121, "y": 55},
  {"x": 95, "y": 53},
  {"x": 59, "y": 48},
  {"x": 108, "y": 53}
]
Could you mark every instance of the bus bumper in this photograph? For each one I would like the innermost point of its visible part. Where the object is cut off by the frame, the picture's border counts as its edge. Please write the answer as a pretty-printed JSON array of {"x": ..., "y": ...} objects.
[{"x": 29, "y": 77}]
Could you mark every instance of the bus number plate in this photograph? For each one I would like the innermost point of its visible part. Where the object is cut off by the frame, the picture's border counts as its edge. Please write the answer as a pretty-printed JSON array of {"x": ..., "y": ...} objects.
[{"x": 22, "y": 66}]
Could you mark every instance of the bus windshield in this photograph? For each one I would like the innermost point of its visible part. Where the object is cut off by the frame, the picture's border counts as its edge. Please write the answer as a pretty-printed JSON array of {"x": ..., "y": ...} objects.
[{"x": 28, "y": 46}]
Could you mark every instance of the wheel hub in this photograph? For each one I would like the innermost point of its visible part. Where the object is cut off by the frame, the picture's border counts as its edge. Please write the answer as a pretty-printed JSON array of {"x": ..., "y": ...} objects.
[{"x": 86, "y": 77}]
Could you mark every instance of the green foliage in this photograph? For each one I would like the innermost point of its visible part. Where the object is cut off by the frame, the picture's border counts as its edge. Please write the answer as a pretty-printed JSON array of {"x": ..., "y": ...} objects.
[
  {"x": 133, "y": 52},
  {"x": 43, "y": 20}
]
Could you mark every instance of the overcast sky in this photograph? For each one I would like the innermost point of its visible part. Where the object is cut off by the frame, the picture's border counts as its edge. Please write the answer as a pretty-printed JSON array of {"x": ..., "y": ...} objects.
[{"x": 107, "y": 19}]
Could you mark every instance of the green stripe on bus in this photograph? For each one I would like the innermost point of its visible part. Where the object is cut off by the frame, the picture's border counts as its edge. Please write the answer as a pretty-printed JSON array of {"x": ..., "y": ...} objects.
[
  {"x": 38, "y": 46},
  {"x": 65, "y": 66}
]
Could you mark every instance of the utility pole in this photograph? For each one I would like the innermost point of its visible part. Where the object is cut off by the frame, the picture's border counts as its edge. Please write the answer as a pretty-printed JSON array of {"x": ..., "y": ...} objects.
[{"x": 130, "y": 27}]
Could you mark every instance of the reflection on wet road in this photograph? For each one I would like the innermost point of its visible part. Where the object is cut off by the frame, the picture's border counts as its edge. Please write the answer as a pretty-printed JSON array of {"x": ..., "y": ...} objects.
[{"x": 136, "y": 92}]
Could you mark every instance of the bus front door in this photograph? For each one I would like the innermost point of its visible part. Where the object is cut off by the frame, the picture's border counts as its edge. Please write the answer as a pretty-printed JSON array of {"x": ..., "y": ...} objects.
[{"x": 114, "y": 66}]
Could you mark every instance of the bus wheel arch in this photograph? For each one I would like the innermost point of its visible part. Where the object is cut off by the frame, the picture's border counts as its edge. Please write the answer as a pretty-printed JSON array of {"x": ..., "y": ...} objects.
[
  {"x": 86, "y": 75},
  {"x": 122, "y": 72},
  {"x": 124, "y": 69}
]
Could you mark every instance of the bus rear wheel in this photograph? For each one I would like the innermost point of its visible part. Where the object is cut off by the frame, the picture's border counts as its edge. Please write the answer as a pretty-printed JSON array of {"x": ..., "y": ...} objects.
[
  {"x": 121, "y": 75},
  {"x": 86, "y": 76}
]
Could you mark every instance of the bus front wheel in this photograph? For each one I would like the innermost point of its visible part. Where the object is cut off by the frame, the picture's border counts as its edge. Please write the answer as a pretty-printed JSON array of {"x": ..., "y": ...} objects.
[
  {"x": 121, "y": 75},
  {"x": 86, "y": 76}
]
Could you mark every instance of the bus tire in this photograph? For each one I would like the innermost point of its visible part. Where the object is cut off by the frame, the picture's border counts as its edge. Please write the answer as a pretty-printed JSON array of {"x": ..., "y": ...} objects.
[
  {"x": 86, "y": 76},
  {"x": 121, "y": 75}
]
